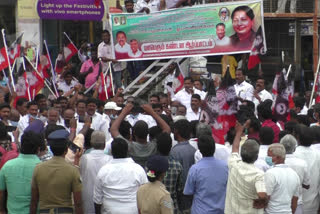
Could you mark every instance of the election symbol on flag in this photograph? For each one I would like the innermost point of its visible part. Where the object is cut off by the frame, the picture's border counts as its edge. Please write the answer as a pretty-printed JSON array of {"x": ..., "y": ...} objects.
[
  {"x": 258, "y": 48},
  {"x": 15, "y": 49},
  {"x": 69, "y": 49},
  {"x": 44, "y": 63},
  {"x": 283, "y": 89},
  {"x": 178, "y": 80},
  {"x": 220, "y": 108},
  {"x": 60, "y": 63}
]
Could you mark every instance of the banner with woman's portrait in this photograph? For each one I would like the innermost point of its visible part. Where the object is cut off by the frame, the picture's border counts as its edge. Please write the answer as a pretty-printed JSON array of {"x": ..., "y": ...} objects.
[{"x": 213, "y": 29}]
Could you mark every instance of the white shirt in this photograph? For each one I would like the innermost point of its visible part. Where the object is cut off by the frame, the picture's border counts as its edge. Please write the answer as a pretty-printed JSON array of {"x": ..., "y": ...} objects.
[
  {"x": 244, "y": 90},
  {"x": 171, "y": 3},
  {"x": 221, "y": 153},
  {"x": 90, "y": 164},
  {"x": 153, "y": 5},
  {"x": 304, "y": 111},
  {"x": 264, "y": 95},
  {"x": 185, "y": 98},
  {"x": 282, "y": 183},
  {"x": 244, "y": 182},
  {"x": 310, "y": 196},
  {"x": 108, "y": 120},
  {"x": 122, "y": 49},
  {"x": 191, "y": 115},
  {"x": 146, "y": 118},
  {"x": 23, "y": 123},
  {"x": 116, "y": 186},
  {"x": 135, "y": 55},
  {"x": 65, "y": 87},
  {"x": 301, "y": 168},
  {"x": 99, "y": 123},
  {"x": 222, "y": 42},
  {"x": 260, "y": 162},
  {"x": 105, "y": 50}
]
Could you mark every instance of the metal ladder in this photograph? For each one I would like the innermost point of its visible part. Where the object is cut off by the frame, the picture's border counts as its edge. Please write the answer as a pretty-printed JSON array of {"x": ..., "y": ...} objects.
[{"x": 134, "y": 89}]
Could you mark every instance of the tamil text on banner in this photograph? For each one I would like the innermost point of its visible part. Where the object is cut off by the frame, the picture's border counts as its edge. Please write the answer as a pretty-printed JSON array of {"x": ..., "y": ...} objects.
[{"x": 212, "y": 29}]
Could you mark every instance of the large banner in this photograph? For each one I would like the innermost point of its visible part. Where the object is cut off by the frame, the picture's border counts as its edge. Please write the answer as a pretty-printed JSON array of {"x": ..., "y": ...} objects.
[{"x": 214, "y": 29}]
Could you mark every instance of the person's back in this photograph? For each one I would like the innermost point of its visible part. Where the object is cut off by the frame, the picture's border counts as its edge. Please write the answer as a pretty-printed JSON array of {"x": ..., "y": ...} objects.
[
  {"x": 117, "y": 182},
  {"x": 282, "y": 184},
  {"x": 90, "y": 165},
  {"x": 16, "y": 175},
  {"x": 207, "y": 180}
]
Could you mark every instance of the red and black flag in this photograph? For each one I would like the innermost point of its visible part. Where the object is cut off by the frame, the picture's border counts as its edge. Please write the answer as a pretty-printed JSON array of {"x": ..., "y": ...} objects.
[
  {"x": 258, "y": 49},
  {"x": 15, "y": 49},
  {"x": 69, "y": 49},
  {"x": 3, "y": 54}
]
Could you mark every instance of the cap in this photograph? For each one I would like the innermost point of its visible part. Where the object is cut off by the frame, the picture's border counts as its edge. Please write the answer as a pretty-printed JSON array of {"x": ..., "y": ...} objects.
[
  {"x": 112, "y": 106},
  {"x": 60, "y": 134},
  {"x": 158, "y": 163},
  {"x": 224, "y": 10},
  {"x": 37, "y": 126}
]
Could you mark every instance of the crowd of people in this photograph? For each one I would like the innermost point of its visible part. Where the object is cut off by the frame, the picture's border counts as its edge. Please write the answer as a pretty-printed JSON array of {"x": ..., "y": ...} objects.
[{"x": 78, "y": 154}]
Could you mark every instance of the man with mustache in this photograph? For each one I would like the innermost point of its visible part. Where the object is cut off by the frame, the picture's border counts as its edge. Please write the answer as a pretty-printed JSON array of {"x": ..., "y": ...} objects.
[
  {"x": 260, "y": 94},
  {"x": 122, "y": 47}
]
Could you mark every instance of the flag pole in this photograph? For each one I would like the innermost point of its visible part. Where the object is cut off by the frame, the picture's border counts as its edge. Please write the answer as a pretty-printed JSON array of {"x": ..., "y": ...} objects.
[
  {"x": 89, "y": 89},
  {"x": 111, "y": 78},
  {"x": 37, "y": 55},
  {"x": 316, "y": 78},
  {"x": 46, "y": 84},
  {"x": 289, "y": 70},
  {"x": 10, "y": 69},
  {"x": 25, "y": 73},
  {"x": 52, "y": 70},
  {"x": 69, "y": 39}
]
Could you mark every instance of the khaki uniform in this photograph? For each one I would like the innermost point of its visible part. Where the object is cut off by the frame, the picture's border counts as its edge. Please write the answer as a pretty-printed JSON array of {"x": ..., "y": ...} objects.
[
  {"x": 56, "y": 180},
  {"x": 154, "y": 198}
]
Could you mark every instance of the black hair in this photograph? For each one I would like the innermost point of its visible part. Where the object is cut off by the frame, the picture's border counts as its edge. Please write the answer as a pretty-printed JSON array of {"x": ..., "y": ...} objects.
[
  {"x": 196, "y": 96},
  {"x": 206, "y": 145},
  {"x": 41, "y": 110},
  {"x": 317, "y": 108},
  {"x": 316, "y": 132},
  {"x": 255, "y": 124},
  {"x": 266, "y": 135},
  {"x": 183, "y": 128},
  {"x": 140, "y": 129},
  {"x": 290, "y": 126},
  {"x": 154, "y": 132},
  {"x": 244, "y": 8},
  {"x": 81, "y": 101},
  {"x": 31, "y": 142},
  {"x": 305, "y": 136},
  {"x": 58, "y": 146},
  {"x": 21, "y": 101},
  {"x": 119, "y": 148},
  {"x": 199, "y": 81},
  {"x": 105, "y": 31},
  {"x": 303, "y": 119},
  {"x": 299, "y": 102},
  {"x": 156, "y": 96},
  {"x": 87, "y": 138},
  {"x": 91, "y": 100},
  {"x": 231, "y": 134},
  {"x": 220, "y": 24},
  {"x": 119, "y": 32},
  {"x": 32, "y": 103},
  {"x": 125, "y": 128},
  {"x": 264, "y": 110},
  {"x": 188, "y": 78},
  {"x": 4, "y": 105},
  {"x": 62, "y": 98},
  {"x": 164, "y": 143},
  {"x": 193, "y": 126},
  {"x": 128, "y": 1},
  {"x": 38, "y": 97},
  {"x": 3, "y": 131}
]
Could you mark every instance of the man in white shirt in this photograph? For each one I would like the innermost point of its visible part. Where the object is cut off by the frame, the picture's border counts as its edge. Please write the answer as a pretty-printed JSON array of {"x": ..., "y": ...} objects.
[
  {"x": 304, "y": 151},
  {"x": 67, "y": 84},
  {"x": 24, "y": 121},
  {"x": 193, "y": 113},
  {"x": 184, "y": 95},
  {"x": 221, "y": 39},
  {"x": 98, "y": 123},
  {"x": 244, "y": 90},
  {"x": 110, "y": 113},
  {"x": 260, "y": 93},
  {"x": 106, "y": 56},
  {"x": 266, "y": 136},
  {"x": 147, "y": 6},
  {"x": 90, "y": 164},
  {"x": 246, "y": 191},
  {"x": 122, "y": 48},
  {"x": 117, "y": 182},
  {"x": 134, "y": 51},
  {"x": 298, "y": 165},
  {"x": 282, "y": 183}
]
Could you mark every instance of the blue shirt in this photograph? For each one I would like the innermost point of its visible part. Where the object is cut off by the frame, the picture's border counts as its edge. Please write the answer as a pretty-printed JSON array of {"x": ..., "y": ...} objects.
[{"x": 207, "y": 182}]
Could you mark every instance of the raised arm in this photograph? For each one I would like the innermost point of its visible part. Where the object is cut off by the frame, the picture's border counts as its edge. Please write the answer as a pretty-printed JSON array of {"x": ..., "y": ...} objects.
[
  {"x": 116, "y": 124},
  {"x": 163, "y": 125}
]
